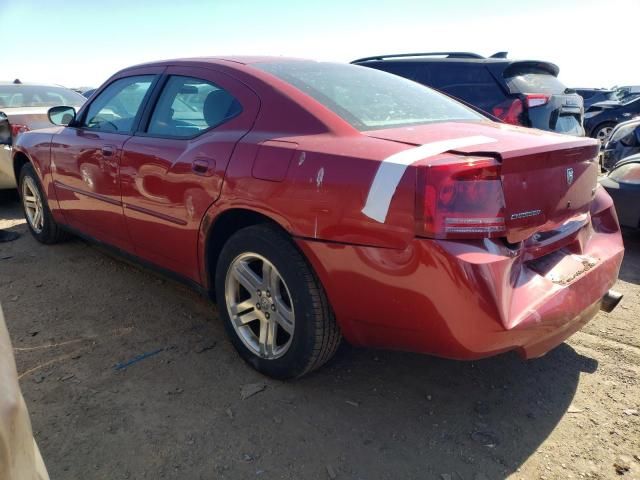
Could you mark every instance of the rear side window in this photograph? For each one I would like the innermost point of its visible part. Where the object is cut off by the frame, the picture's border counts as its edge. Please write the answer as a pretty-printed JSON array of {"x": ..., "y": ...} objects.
[
  {"x": 533, "y": 80},
  {"x": 116, "y": 107},
  {"x": 188, "y": 106},
  {"x": 367, "y": 98},
  {"x": 470, "y": 82}
]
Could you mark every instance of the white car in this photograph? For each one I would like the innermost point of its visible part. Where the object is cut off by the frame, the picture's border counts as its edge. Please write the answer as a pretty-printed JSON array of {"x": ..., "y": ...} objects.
[
  {"x": 20, "y": 457},
  {"x": 24, "y": 107}
]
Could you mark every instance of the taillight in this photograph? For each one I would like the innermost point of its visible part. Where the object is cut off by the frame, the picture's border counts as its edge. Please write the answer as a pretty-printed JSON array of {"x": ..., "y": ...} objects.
[
  {"x": 509, "y": 111},
  {"x": 462, "y": 199},
  {"x": 17, "y": 129},
  {"x": 536, "y": 99}
]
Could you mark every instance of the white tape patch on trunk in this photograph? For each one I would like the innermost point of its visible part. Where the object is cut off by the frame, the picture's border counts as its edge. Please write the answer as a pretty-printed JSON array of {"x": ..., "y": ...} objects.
[{"x": 392, "y": 168}]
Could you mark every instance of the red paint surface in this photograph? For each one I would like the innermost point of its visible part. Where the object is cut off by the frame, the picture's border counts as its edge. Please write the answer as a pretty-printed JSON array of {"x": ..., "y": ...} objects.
[{"x": 290, "y": 159}]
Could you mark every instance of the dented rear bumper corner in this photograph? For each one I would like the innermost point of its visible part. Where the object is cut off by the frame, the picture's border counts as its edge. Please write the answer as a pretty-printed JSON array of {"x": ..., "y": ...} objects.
[{"x": 468, "y": 300}]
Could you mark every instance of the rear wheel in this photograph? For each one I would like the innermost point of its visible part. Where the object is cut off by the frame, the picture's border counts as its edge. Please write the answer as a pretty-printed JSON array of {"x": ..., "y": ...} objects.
[
  {"x": 273, "y": 306},
  {"x": 36, "y": 209},
  {"x": 603, "y": 132}
]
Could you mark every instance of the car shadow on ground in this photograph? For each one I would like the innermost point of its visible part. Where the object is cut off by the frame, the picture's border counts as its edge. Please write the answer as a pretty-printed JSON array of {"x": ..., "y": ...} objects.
[
  {"x": 630, "y": 271},
  {"x": 179, "y": 413}
]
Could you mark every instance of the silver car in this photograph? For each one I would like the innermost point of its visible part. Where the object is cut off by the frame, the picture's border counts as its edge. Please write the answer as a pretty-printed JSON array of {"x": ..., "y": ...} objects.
[{"x": 24, "y": 107}]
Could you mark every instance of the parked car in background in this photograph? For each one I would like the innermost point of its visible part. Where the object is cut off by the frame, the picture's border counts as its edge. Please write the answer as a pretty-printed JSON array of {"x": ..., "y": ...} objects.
[
  {"x": 88, "y": 93},
  {"x": 19, "y": 454},
  {"x": 623, "y": 185},
  {"x": 320, "y": 200},
  {"x": 23, "y": 107},
  {"x": 602, "y": 117},
  {"x": 627, "y": 93},
  {"x": 596, "y": 95},
  {"x": 623, "y": 142},
  {"x": 519, "y": 92}
]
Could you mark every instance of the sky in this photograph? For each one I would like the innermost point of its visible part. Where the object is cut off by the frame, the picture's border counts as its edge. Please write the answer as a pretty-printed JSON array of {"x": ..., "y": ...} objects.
[{"x": 83, "y": 42}]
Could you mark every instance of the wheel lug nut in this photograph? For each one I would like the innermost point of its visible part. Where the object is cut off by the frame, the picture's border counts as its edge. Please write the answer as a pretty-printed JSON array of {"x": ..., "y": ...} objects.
[
  {"x": 268, "y": 293},
  {"x": 259, "y": 293},
  {"x": 267, "y": 315},
  {"x": 273, "y": 307},
  {"x": 258, "y": 306}
]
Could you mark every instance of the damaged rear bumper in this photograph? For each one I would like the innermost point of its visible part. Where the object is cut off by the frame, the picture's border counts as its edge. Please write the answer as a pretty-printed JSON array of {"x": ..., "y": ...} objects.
[{"x": 468, "y": 300}]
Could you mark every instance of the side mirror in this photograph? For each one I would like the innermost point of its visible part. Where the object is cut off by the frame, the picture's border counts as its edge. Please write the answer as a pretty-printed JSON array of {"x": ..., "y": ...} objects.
[{"x": 62, "y": 115}]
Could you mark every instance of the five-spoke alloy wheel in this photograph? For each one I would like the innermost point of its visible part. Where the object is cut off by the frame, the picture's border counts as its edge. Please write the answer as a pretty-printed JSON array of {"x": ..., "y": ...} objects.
[
  {"x": 272, "y": 304},
  {"x": 32, "y": 203},
  {"x": 36, "y": 209},
  {"x": 260, "y": 306}
]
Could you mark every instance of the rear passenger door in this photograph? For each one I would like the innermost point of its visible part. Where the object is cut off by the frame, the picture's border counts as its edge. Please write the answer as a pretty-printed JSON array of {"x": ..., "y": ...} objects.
[{"x": 173, "y": 167}]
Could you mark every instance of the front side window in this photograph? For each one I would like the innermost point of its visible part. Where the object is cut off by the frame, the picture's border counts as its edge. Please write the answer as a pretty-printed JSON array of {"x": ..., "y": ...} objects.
[
  {"x": 188, "y": 106},
  {"x": 367, "y": 98},
  {"x": 116, "y": 108}
]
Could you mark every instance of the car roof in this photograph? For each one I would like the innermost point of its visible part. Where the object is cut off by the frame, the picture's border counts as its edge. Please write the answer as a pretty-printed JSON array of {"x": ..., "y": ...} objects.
[
  {"x": 31, "y": 84},
  {"x": 237, "y": 59},
  {"x": 497, "y": 61}
]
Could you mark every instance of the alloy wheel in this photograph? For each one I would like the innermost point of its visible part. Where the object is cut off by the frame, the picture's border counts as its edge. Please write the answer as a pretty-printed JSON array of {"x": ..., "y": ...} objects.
[
  {"x": 32, "y": 203},
  {"x": 260, "y": 306},
  {"x": 603, "y": 134}
]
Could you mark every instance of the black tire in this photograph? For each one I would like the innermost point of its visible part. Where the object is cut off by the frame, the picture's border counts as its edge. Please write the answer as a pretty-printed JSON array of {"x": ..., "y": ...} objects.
[
  {"x": 316, "y": 336},
  {"x": 51, "y": 232}
]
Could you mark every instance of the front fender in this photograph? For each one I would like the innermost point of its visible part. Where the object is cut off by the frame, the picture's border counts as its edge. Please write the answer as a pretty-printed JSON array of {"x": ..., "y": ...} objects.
[{"x": 35, "y": 147}]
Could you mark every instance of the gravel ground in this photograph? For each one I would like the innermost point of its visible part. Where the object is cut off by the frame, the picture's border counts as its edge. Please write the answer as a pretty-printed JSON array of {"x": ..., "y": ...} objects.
[{"x": 77, "y": 316}]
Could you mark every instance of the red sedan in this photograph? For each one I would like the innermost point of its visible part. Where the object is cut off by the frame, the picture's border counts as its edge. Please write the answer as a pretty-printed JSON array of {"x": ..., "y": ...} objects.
[{"x": 316, "y": 201}]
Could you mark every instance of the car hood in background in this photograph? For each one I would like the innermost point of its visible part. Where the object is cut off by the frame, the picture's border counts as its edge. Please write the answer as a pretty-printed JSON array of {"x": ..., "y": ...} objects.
[
  {"x": 33, "y": 117},
  {"x": 605, "y": 104}
]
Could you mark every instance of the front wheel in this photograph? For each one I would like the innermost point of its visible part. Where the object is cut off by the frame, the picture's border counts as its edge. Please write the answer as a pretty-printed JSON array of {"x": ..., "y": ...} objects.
[
  {"x": 36, "y": 209},
  {"x": 273, "y": 306}
]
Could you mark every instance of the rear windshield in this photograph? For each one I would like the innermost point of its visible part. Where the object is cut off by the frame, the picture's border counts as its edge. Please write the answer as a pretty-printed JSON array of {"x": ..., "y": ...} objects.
[
  {"x": 370, "y": 99},
  {"x": 15, "y": 96},
  {"x": 534, "y": 80}
]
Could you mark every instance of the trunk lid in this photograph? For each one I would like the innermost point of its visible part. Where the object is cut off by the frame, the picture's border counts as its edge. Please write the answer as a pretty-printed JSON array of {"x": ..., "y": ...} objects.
[
  {"x": 562, "y": 112},
  {"x": 546, "y": 178},
  {"x": 32, "y": 117}
]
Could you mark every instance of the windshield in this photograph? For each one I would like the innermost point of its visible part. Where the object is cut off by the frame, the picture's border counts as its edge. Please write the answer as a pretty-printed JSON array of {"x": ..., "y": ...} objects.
[
  {"x": 16, "y": 96},
  {"x": 370, "y": 99}
]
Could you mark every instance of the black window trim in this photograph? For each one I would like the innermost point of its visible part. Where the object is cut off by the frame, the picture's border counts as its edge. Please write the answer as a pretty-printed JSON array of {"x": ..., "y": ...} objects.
[
  {"x": 79, "y": 122},
  {"x": 152, "y": 103}
]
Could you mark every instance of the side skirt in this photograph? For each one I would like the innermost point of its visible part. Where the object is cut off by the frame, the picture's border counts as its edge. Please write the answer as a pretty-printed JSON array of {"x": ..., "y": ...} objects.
[{"x": 140, "y": 262}]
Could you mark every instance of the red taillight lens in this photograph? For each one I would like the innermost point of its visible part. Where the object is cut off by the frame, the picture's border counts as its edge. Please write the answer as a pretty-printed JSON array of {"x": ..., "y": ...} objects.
[
  {"x": 463, "y": 199},
  {"x": 17, "y": 129},
  {"x": 536, "y": 99},
  {"x": 509, "y": 111}
]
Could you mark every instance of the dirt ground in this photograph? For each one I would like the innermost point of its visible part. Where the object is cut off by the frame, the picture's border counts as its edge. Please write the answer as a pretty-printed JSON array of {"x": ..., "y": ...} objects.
[{"x": 78, "y": 315}]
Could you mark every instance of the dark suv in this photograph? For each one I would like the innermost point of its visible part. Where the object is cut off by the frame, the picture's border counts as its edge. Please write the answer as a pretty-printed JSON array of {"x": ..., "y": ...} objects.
[{"x": 521, "y": 92}]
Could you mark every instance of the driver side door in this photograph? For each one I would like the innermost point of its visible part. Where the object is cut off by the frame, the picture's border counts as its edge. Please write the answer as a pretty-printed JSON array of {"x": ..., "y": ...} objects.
[{"x": 86, "y": 159}]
